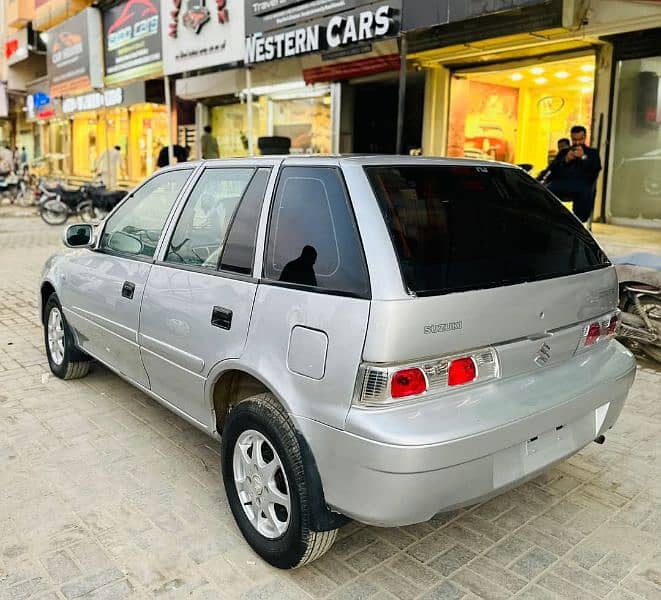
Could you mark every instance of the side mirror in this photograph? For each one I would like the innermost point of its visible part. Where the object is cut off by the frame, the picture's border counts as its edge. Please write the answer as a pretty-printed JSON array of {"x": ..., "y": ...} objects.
[
  {"x": 124, "y": 243},
  {"x": 79, "y": 236}
]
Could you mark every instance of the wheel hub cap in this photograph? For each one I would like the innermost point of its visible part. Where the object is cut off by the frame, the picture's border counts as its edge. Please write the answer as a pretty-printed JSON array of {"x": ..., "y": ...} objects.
[
  {"x": 261, "y": 484},
  {"x": 55, "y": 330}
]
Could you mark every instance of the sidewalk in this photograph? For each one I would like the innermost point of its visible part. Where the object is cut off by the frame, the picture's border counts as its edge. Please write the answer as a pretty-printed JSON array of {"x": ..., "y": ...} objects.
[{"x": 617, "y": 240}]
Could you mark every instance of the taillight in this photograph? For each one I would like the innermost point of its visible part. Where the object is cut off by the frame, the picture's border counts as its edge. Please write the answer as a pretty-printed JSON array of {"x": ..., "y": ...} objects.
[
  {"x": 462, "y": 371},
  {"x": 599, "y": 330},
  {"x": 380, "y": 385},
  {"x": 594, "y": 331},
  {"x": 408, "y": 382},
  {"x": 613, "y": 325}
]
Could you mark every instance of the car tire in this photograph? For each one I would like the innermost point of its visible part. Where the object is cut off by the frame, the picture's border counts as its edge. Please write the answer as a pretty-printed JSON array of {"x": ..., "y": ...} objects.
[
  {"x": 285, "y": 540},
  {"x": 66, "y": 361}
]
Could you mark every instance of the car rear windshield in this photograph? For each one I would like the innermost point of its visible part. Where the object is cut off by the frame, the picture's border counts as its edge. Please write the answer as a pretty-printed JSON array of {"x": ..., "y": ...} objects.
[{"x": 459, "y": 228}]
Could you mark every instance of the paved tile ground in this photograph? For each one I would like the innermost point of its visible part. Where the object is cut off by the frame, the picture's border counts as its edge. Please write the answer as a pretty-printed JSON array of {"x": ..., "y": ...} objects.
[{"x": 104, "y": 494}]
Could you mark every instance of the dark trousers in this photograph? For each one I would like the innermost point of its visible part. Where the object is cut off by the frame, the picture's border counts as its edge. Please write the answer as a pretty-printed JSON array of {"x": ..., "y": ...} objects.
[{"x": 582, "y": 197}]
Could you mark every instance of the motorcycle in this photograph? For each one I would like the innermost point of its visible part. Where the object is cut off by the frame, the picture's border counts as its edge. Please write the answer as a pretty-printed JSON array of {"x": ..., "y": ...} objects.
[
  {"x": 58, "y": 204},
  {"x": 104, "y": 201},
  {"x": 639, "y": 278}
]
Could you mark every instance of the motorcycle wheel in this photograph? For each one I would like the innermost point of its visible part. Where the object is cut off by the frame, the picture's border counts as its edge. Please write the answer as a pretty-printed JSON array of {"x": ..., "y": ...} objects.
[
  {"x": 86, "y": 212},
  {"x": 54, "y": 212},
  {"x": 651, "y": 306}
]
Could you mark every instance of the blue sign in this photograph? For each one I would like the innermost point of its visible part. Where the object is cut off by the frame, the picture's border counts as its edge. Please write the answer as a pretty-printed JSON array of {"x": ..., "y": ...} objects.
[{"x": 40, "y": 99}]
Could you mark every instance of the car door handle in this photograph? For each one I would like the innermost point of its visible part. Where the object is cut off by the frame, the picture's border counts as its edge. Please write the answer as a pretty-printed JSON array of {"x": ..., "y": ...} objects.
[
  {"x": 127, "y": 290},
  {"x": 221, "y": 317}
]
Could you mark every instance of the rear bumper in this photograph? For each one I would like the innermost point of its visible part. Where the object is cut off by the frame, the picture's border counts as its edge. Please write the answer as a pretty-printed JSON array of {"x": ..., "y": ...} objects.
[{"x": 392, "y": 484}]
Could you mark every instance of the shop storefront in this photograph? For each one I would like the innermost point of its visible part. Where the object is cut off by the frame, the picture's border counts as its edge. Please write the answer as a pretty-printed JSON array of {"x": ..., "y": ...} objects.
[
  {"x": 342, "y": 46},
  {"x": 516, "y": 112},
  {"x": 634, "y": 175}
]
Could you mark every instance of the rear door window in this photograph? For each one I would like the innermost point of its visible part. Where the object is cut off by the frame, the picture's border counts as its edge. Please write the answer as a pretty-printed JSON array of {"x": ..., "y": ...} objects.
[
  {"x": 463, "y": 227},
  {"x": 313, "y": 240}
]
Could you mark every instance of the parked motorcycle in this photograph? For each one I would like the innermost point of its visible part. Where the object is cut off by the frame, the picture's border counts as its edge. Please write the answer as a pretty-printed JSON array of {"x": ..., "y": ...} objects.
[
  {"x": 640, "y": 302},
  {"x": 66, "y": 202},
  {"x": 103, "y": 200}
]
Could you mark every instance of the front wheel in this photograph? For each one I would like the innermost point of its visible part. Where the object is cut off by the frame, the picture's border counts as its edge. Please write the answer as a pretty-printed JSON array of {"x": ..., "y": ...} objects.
[
  {"x": 66, "y": 361},
  {"x": 265, "y": 484},
  {"x": 54, "y": 212},
  {"x": 86, "y": 212}
]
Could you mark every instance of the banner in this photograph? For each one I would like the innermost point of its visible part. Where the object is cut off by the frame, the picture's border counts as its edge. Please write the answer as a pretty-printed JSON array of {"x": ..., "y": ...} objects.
[
  {"x": 201, "y": 33},
  {"x": 132, "y": 41},
  {"x": 74, "y": 54}
]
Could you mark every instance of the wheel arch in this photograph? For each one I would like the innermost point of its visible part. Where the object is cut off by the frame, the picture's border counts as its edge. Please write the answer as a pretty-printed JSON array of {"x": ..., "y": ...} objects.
[
  {"x": 47, "y": 288},
  {"x": 234, "y": 383}
]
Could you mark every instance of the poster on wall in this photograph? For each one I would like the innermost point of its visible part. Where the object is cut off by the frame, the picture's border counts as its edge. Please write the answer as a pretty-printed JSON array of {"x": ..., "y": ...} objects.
[
  {"x": 132, "y": 35},
  {"x": 201, "y": 33},
  {"x": 74, "y": 57}
]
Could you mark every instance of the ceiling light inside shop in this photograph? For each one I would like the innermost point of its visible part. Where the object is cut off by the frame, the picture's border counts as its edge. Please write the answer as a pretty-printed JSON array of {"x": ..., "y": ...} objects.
[
  {"x": 541, "y": 80},
  {"x": 587, "y": 89},
  {"x": 562, "y": 74},
  {"x": 516, "y": 77},
  {"x": 537, "y": 70},
  {"x": 585, "y": 78},
  {"x": 587, "y": 68}
]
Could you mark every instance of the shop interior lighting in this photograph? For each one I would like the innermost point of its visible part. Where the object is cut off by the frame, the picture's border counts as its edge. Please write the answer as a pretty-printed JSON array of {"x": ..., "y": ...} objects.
[
  {"x": 587, "y": 89},
  {"x": 562, "y": 74},
  {"x": 587, "y": 68},
  {"x": 585, "y": 78},
  {"x": 537, "y": 70},
  {"x": 516, "y": 76},
  {"x": 541, "y": 80}
]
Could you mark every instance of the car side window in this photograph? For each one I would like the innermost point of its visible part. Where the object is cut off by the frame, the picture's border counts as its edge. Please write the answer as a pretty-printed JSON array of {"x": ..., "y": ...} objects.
[
  {"x": 199, "y": 237},
  {"x": 136, "y": 227},
  {"x": 313, "y": 240}
]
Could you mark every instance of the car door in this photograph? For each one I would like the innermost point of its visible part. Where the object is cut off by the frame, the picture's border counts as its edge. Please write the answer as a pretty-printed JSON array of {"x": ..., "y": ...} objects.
[
  {"x": 199, "y": 296},
  {"x": 102, "y": 296}
]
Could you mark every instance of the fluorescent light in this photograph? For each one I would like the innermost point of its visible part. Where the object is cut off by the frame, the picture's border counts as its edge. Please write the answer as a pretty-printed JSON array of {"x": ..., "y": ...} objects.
[
  {"x": 585, "y": 79},
  {"x": 562, "y": 74},
  {"x": 537, "y": 70},
  {"x": 516, "y": 77},
  {"x": 587, "y": 68},
  {"x": 541, "y": 80},
  {"x": 587, "y": 89}
]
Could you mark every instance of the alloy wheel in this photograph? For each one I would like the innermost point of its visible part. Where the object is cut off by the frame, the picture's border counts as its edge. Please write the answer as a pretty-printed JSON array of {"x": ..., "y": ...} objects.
[{"x": 56, "y": 336}]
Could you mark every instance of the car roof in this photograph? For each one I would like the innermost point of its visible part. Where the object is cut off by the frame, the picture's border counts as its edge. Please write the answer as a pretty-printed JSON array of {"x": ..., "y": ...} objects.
[{"x": 351, "y": 159}]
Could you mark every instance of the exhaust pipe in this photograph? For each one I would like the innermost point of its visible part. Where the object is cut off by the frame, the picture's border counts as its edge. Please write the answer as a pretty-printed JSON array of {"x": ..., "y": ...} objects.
[{"x": 600, "y": 439}]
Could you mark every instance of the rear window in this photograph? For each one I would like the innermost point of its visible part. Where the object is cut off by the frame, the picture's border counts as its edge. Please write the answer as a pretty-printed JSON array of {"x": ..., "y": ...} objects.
[{"x": 459, "y": 228}]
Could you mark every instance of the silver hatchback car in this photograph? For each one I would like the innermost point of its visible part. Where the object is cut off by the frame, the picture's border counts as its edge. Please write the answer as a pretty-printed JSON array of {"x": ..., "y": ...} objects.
[{"x": 378, "y": 339}]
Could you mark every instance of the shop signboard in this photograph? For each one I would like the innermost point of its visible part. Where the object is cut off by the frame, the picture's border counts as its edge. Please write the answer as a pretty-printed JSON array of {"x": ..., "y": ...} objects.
[
  {"x": 304, "y": 31},
  {"x": 132, "y": 41},
  {"x": 16, "y": 47},
  {"x": 74, "y": 57},
  {"x": 201, "y": 33},
  {"x": 423, "y": 13}
]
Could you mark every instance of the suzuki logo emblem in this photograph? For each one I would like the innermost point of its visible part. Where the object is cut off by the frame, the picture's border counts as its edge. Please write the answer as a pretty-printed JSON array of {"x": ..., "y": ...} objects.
[{"x": 543, "y": 355}]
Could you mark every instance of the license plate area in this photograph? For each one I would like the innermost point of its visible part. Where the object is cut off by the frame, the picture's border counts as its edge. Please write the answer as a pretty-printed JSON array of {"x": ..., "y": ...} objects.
[{"x": 545, "y": 441}]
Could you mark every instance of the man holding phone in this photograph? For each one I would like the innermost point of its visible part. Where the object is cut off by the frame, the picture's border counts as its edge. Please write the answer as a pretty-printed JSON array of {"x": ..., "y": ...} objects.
[{"x": 574, "y": 172}]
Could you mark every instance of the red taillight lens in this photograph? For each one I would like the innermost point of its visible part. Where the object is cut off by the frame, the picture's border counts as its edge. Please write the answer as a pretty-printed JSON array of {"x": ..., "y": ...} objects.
[
  {"x": 408, "y": 382},
  {"x": 612, "y": 326},
  {"x": 462, "y": 370},
  {"x": 594, "y": 331}
]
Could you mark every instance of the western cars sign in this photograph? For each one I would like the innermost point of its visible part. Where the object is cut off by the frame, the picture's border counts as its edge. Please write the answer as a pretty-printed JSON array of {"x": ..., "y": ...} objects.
[
  {"x": 202, "y": 33},
  {"x": 367, "y": 23}
]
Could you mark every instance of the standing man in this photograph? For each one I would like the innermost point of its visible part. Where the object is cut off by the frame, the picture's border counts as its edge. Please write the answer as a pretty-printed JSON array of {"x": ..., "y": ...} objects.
[
  {"x": 23, "y": 159},
  {"x": 107, "y": 166},
  {"x": 209, "y": 144},
  {"x": 574, "y": 172}
]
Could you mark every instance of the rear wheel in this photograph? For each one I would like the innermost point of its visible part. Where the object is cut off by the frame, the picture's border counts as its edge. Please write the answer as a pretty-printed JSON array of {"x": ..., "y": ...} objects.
[
  {"x": 86, "y": 211},
  {"x": 66, "y": 361},
  {"x": 651, "y": 307},
  {"x": 265, "y": 484},
  {"x": 54, "y": 212}
]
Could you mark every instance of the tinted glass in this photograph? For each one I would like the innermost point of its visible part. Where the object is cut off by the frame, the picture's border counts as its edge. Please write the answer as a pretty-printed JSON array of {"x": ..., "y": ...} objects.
[
  {"x": 312, "y": 235},
  {"x": 143, "y": 215},
  {"x": 460, "y": 228},
  {"x": 239, "y": 252},
  {"x": 200, "y": 233}
]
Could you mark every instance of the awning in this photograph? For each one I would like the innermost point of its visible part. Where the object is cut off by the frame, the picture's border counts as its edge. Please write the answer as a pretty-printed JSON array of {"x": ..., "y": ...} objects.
[
  {"x": 210, "y": 85},
  {"x": 349, "y": 70}
]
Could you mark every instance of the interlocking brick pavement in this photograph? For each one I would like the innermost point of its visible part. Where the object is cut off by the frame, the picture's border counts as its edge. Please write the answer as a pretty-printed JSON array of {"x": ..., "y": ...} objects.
[{"x": 105, "y": 494}]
